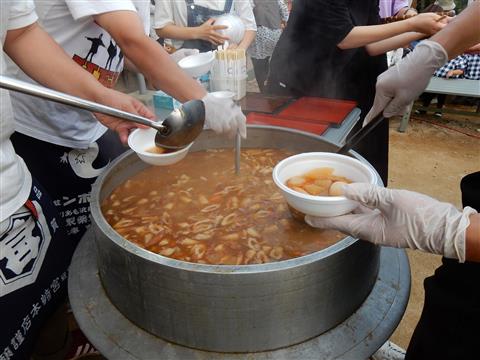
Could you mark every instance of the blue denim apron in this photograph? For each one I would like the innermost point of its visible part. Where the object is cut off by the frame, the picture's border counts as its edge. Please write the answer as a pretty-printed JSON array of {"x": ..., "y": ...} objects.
[{"x": 196, "y": 16}]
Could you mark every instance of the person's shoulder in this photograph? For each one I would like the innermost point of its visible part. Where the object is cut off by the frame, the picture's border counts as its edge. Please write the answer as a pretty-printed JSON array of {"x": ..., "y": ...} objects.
[{"x": 81, "y": 9}]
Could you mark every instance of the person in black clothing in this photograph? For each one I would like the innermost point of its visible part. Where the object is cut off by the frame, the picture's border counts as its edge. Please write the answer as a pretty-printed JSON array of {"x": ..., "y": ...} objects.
[
  {"x": 334, "y": 49},
  {"x": 449, "y": 324}
]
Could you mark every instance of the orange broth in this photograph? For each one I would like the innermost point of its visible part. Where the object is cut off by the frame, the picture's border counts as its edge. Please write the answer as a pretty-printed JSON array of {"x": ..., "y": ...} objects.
[{"x": 199, "y": 211}]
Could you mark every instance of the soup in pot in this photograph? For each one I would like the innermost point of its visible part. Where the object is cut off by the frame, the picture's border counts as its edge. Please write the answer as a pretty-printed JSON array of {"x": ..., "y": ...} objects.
[{"x": 199, "y": 210}]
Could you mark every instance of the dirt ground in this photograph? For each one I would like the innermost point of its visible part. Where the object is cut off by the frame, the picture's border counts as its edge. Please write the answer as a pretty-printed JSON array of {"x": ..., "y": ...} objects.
[{"x": 431, "y": 159}]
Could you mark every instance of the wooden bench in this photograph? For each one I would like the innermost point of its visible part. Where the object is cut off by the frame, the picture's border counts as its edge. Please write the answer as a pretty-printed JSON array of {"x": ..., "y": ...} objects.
[{"x": 462, "y": 87}]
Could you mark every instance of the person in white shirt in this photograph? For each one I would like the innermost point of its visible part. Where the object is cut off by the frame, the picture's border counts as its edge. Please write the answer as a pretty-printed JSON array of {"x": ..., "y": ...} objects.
[
  {"x": 34, "y": 251},
  {"x": 98, "y": 35},
  {"x": 190, "y": 23}
]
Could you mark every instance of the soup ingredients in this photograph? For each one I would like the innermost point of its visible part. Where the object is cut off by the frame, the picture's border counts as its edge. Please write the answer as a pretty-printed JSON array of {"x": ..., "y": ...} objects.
[
  {"x": 158, "y": 150},
  {"x": 336, "y": 189},
  {"x": 199, "y": 211},
  {"x": 318, "y": 182}
]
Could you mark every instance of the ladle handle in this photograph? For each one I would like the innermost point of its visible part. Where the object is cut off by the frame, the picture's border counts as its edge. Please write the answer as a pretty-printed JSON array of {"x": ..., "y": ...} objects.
[
  {"x": 238, "y": 151},
  {"x": 56, "y": 96},
  {"x": 360, "y": 134}
]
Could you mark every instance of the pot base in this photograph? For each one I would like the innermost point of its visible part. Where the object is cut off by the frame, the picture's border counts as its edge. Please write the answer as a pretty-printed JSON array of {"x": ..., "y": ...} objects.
[{"x": 358, "y": 337}]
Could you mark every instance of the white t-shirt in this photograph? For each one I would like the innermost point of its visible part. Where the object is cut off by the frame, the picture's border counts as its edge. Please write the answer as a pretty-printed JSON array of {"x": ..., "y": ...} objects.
[
  {"x": 175, "y": 12},
  {"x": 71, "y": 24},
  {"x": 15, "y": 180}
]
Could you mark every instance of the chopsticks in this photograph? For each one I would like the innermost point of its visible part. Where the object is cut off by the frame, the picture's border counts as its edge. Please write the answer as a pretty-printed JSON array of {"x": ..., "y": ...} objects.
[{"x": 229, "y": 70}]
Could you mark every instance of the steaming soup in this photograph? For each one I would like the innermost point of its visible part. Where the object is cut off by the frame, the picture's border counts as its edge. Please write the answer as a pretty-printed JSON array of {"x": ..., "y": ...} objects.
[
  {"x": 318, "y": 182},
  {"x": 199, "y": 211}
]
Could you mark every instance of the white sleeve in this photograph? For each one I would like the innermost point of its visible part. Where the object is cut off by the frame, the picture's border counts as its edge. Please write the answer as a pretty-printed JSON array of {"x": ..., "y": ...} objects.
[
  {"x": 22, "y": 13},
  {"x": 84, "y": 8},
  {"x": 143, "y": 10},
  {"x": 244, "y": 10},
  {"x": 163, "y": 13}
]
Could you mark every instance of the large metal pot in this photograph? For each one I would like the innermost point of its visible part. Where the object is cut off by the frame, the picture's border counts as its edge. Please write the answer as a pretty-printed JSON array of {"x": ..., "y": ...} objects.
[{"x": 232, "y": 308}]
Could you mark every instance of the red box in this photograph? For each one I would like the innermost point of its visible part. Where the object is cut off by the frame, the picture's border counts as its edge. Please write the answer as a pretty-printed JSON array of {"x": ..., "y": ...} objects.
[
  {"x": 265, "y": 119},
  {"x": 314, "y": 109}
]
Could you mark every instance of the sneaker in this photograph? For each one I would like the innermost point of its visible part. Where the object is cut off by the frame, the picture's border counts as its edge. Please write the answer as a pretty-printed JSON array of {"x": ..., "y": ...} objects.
[
  {"x": 419, "y": 112},
  {"x": 438, "y": 114},
  {"x": 389, "y": 351}
]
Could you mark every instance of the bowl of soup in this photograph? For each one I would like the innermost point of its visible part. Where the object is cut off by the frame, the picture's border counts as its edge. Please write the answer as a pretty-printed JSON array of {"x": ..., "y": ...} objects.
[
  {"x": 312, "y": 183},
  {"x": 142, "y": 141}
]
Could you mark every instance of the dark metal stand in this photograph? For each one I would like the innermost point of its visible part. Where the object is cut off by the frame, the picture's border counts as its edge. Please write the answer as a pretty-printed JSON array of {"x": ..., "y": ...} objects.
[{"x": 356, "y": 338}]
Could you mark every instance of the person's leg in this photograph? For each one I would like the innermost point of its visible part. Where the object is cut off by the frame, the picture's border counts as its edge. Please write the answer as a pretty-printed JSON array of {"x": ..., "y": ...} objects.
[
  {"x": 448, "y": 327},
  {"x": 440, "y": 103},
  {"x": 54, "y": 339},
  {"x": 260, "y": 68},
  {"x": 426, "y": 99}
]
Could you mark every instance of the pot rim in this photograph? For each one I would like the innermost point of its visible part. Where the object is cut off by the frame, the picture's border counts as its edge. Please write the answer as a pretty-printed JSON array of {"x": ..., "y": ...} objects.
[{"x": 101, "y": 222}]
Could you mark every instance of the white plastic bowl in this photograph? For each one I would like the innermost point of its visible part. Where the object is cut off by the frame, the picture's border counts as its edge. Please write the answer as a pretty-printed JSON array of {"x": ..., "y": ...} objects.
[
  {"x": 235, "y": 30},
  {"x": 198, "y": 64},
  {"x": 141, "y": 140},
  {"x": 326, "y": 206}
]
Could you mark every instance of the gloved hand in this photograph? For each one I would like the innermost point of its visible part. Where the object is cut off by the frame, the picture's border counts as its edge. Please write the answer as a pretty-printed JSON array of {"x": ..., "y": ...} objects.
[
  {"x": 400, "y": 85},
  {"x": 183, "y": 53},
  {"x": 402, "y": 219},
  {"x": 224, "y": 116}
]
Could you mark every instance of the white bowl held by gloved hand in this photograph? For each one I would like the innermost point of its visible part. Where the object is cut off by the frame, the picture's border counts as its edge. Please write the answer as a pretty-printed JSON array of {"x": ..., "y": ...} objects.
[{"x": 298, "y": 165}]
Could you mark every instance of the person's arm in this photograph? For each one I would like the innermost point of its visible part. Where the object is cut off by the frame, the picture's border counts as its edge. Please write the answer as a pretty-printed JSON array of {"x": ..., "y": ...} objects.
[
  {"x": 406, "y": 11},
  {"x": 406, "y": 219},
  {"x": 148, "y": 56},
  {"x": 21, "y": 43},
  {"x": 472, "y": 239},
  {"x": 221, "y": 115},
  {"x": 207, "y": 31},
  {"x": 475, "y": 49},
  {"x": 245, "y": 13},
  {"x": 247, "y": 39},
  {"x": 402, "y": 8},
  {"x": 428, "y": 23},
  {"x": 462, "y": 33},
  {"x": 381, "y": 47},
  {"x": 400, "y": 85}
]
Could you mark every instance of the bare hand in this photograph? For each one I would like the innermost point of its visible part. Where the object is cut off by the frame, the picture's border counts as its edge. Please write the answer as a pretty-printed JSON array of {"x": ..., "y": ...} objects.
[
  {"x": 123, "y": 102},
  {"x": 208, "y": 32},
  {"x": 429, "y": 23},
  {"x": 455, "y": 72}
]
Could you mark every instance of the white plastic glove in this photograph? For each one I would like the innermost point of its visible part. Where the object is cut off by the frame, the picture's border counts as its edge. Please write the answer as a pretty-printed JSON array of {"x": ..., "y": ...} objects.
[
  {"x": 224, "y": 116},
  {"x": 401, "y": 84},
  {"x": 183, "y": 53},
  {"x": 403, "y": 219}
]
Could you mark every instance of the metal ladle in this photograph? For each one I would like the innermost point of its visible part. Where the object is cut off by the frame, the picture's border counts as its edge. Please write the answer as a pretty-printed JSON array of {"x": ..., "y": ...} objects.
[{"x": 178, "y": 129}]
